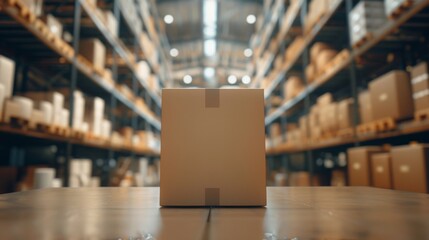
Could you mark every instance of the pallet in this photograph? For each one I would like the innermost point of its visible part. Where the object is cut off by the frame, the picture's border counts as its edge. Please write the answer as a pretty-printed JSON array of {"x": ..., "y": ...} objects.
[
  {"x": 362, "y": 41},
  {"x": 20, "y": 123},
  {"x": 366, "y": 128},
  {"x": 346, "y": 133},
  {"x": 60, "y": 131},
  {"x": 23, "y": 10},
  {"x": 42, "y": 127},
  {"x": 400, "y": 9},
  {"x": 77, "y": 134},
  {"x": 421, "y": 115},
  {"x": 385, "y": 125}
]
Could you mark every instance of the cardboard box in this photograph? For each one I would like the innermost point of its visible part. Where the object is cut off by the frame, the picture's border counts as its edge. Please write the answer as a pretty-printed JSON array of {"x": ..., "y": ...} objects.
[
  {"x": 365, "y": 107},
  {"x": 65, "y": 115},
  {"x": 36, "y": 118},
  {"x": 94, "y": 112},
  {"x": 94, "y": 51},
  {"x": 7, "y": 74},
  {"x": 2, "y": 98},
  {"x": 325, "y": 99},
  {"x": 359, "y": 166},
  {"x": 410, "y": 168},
  {"x": 217, "y": 156},
  {"x": 78, "y": 105},
  {"x": 381, "y": 170},
  {"x": 54, "y": 25},
  {"x": 111, "y": 22},
  {"x": 143, "y": 70},
  {"x": 391, "y": 96},
  {"x": 316, "y": 49},
  {"x": 127, "y": 134},
  {"x": 345, "y": 113},
  {"x": 57, "y": 100},
  {"x": 106, "y": 128},
  {"x": 420, "y": 86},
  {"x": 293, "y": 87},
  {"x": 310, "y": 73},
  {"x": 392, "y": 6},
  {"x": 324, "y": 57},
  {"x": 19, "y": 107},
  {"x": 35, "y": 6},
  {"x": 300, "y": 179}
]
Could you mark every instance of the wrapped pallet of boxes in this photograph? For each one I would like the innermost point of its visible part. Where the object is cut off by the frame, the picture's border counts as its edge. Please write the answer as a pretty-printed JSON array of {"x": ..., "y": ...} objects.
[
  {"x": 365, "y": 109},
  {"x": 94, "y": 112},
  {"x": 391, "y": 96},
  {"x": 345, "y": 113},
  {"x": 365, "y": 19},
  {"x": 420, "y": 86},
  {"x": 381, "y": 170},
  {"x": 359, "y": 164},
  {"x": 18, "y": 107},
  {"x": 410, "y": 168},
  {"x": 54, "y": 25},
  {"x": 293, "y": 87},
  {"x": 55, "y": 98},
  {"x": 7, "y": 71},
  {"x": 42, "y": 114},
  {"x": 111, "y": 22},
  {"x": 94, "y": 51}
]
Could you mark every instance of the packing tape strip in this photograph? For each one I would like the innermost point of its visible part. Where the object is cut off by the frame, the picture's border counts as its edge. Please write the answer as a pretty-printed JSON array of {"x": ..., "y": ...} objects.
[
  {"x": 212, "y": 196},
  {"x": 420, "y": 78},
  {"x": 212, "y": 98},
  {"x": 421, "y": 94}
]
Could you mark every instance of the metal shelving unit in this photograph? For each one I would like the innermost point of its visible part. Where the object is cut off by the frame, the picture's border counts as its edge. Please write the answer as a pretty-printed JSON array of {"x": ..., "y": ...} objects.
[
  {"x": 61, "y": 66},
  {"x": 345, "y": 79}
]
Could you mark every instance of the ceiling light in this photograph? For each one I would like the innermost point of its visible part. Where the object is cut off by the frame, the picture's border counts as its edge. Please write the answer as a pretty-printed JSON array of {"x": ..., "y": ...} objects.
[
  {"x": 232, "y": 79},
  {"x": 245, "y": 79},
  {"x": 248, "y": 52},
  {"x": 187, "y": 79},
  {"x": 209, "y": 72},
  {"x": 251, "y": 19},
  {"x": 174, "y": 52},
  {"x": 210, "y": 48},
  {"x": 168, "y": 19}
]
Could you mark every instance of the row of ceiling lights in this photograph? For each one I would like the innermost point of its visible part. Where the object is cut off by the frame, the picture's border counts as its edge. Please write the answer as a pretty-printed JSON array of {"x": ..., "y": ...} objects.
[
  {"x": 232, "y": 79},
  {"x": 174, "y": 52},
  {"x": 250, "y": 19}
]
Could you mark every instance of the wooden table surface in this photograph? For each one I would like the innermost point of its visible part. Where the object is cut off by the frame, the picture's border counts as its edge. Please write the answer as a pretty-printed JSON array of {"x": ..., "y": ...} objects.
[{"x": 291, "y": 213}]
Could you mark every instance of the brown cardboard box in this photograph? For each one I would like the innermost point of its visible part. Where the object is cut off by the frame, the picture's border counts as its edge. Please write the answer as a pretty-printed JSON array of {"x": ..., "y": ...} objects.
[
  {"x": 300, "y": 179},
  {"x": 410, "y": 168},
  {"x": 303, "y": 127},
  {"x": 93, "y": 50},
  {"x": 316, "y": 49},
  {"x": 331, "y": 116},
  {"x": 365, "y": 109},
  {"x": 359, "y": 166},
  {"x": 275, "y": 130},
  {"x": 310, "y": 73},
  {"x": 324, "y": 57},
  {"x": 111, "y": 22},
  {"x": 420, "y": 86},
  {"x": 314, "y": 118},
  {"x": 391, "y": 96},
  {"x": 325, "y": 99},
  {"x": 293, "y": 87},
  {"x": 345, "y": 113},
  {"x": 212, "y": 150},
  {"x": 381, "y": 170}
]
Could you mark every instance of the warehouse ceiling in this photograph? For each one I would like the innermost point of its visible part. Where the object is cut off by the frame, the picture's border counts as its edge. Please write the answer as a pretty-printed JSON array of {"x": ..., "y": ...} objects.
[{"x": 208, "y": 38}]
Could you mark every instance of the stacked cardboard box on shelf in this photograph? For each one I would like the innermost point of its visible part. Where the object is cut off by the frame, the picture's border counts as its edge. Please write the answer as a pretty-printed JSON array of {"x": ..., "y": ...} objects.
[
  {"x": 94, "y": 51},
  {"x": 94, "y": 113},
  {"x": 420, "y": 87},
  {"x": 292, "y": 87},
  {"x": 391, "y": 96},
  {"x": 402, "y": 168},
  {"x": 35, "y": 6},
  {"x": 321, "y": 54},
  {"x": 317, "y": 9}
]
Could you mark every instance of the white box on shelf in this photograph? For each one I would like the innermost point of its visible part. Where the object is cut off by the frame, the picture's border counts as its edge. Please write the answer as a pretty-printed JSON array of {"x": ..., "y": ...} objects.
[
  {"x": 54, "y": 25},
  {"x": 47, "y": 109},
  {"x": 94, "y": 112},
  {"x": 36, "y": 118},
  {"x": 57, "y": 100},
  {"x": 365, "y": 19},
  {"x": 65, "y": 115},
  {"x": 111, "y": 22},
  {"x": 143, "y": 70},
  {"x": 7, "y": 71}
]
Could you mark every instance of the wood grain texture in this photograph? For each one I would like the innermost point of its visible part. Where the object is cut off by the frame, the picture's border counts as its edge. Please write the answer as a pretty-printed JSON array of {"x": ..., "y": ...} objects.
[{"x": 134, "y": 213}]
